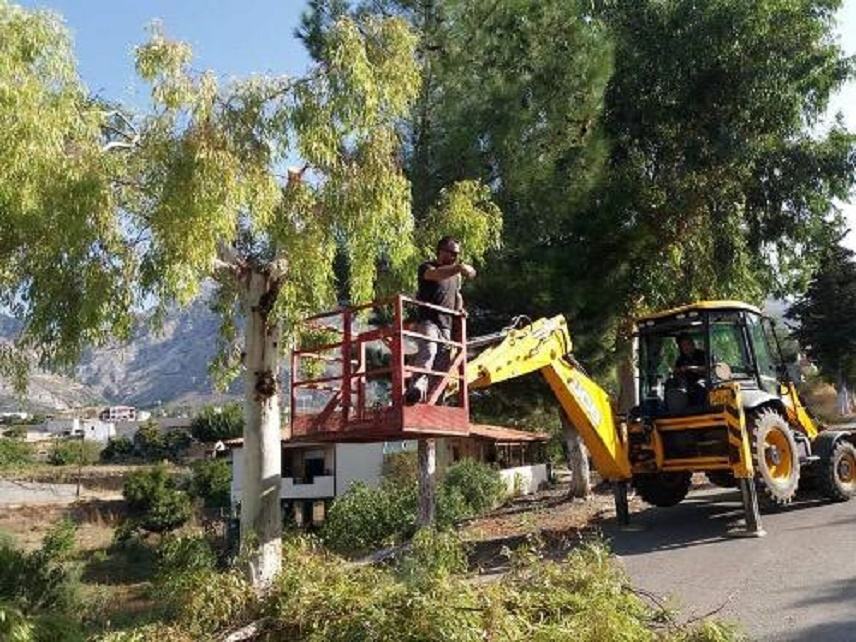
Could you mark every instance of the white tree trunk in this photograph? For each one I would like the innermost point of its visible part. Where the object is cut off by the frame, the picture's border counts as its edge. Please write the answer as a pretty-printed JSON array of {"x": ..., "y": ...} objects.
[
  {"x": 261, "y": 520},
  {"x": 844, "y": 397},
  {"x": 578, "y": 461},
  {"x": 427, "y": 453}
]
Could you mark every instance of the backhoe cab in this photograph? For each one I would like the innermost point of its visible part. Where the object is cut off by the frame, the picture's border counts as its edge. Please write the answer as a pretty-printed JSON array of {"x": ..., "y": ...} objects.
[{"x": 713, "y": 397}]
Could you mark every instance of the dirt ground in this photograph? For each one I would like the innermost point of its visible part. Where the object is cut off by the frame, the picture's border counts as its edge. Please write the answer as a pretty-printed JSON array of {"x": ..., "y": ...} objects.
[
  {"x": 557, "y": 521},
  {"x": 96, "y": 520}
]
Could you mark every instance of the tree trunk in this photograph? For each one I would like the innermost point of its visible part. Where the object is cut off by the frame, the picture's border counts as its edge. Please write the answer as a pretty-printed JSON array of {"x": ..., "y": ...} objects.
[
  {"x": 628, "y": 389},
  {"x": 427, "y": 451},
  {"x": 261, "y": 520},
  {"x": 577, "y": 461},
  {"x": 844, "y": 400}
]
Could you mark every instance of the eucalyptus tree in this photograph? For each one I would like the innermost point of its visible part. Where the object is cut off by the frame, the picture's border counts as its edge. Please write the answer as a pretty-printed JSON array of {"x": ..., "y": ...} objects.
[{"x": 105, "y": 213}]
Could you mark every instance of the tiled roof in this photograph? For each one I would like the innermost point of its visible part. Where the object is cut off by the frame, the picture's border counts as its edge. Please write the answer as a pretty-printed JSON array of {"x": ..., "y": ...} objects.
[{"x": 499, "y": 433}]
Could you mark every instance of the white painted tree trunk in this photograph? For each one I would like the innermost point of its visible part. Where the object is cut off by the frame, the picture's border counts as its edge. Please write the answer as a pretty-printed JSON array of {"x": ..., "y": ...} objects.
[
  {"x": 427, "y": 454},
  {"x": 578, "y": 462},
  {"x": 845, "y": 401},
  {"x": 261, "y": 520}
]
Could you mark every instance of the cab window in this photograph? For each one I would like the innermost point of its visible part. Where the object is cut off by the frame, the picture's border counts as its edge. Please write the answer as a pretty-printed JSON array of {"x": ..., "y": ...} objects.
[{"x": 728, "y": 348}]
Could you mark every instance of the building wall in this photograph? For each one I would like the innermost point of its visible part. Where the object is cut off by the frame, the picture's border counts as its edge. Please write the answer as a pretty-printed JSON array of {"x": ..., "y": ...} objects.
[
  {"x": 358, "y": 462},
  {"x": 524, "y": 479},
  {"x": 91, "y": 429}
]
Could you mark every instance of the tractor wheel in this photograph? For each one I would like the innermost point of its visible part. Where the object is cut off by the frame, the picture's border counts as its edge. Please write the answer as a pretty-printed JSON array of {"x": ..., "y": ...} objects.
[
  {"x": 662, "y": 489},
  {"x": 837, "y": 476},
  {"x": 775, "y": 458},
  {"x": 721, "y": 478}
]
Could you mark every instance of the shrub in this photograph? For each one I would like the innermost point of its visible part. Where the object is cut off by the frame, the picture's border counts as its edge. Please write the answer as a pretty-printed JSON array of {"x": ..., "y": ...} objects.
[
  {"x": 14, "y": 453},
  {"x": 364, "y": 518},
  {"x": 154, "y": 502},
  {"x": 15, "y": 432},
  {"x": 118, "y": 449},
  {"x": 74, "y": 451},
  {"x": 480, "y": 486},
  {"x": 194, "y": 594},
  {"x": 40, "y": 590},
  {"x": 401, "y": 468},
  {"x": 149, "y": 442},
  {"x": 434, "y": 554},
  {"x": 211, "y": 481},
  {"x": 175, "y": 443},
  {"x": 212, "y": 424},
  {"x": 184, "y": 553}
]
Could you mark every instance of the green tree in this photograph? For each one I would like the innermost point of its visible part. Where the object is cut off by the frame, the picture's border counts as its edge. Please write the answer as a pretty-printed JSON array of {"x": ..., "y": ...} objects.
[
  {"x": 155, "y": 503},
  {"x": 214, "y": 424},
  {"x": 824, "y": 323},
  {"x": 211, "y": 481},
  {"x": 101, "y": 208}
]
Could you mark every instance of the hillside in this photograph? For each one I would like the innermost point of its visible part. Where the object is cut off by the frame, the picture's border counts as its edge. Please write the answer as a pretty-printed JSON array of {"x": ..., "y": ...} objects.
[{"x": 168, "y": 367}]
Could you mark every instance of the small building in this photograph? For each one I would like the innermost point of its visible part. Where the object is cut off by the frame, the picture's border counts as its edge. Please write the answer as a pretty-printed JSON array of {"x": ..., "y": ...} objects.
[
  {"x": 13, "y": 416},
  {"x": 89, "y": 429},
  {"x": 313, "y": 474},
  {"x": 118, "y": 413}
]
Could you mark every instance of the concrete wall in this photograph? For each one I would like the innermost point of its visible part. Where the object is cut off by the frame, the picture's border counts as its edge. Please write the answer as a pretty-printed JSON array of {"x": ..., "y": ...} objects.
[
  {"x": 320, "y": 488},
  {"x": 529, "y": 478},
  {"x": 358, "y": 462}
]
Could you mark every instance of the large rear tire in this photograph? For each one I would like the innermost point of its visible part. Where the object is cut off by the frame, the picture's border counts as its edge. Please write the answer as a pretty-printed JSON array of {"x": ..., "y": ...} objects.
[
  {"x": 837, "y": 476},
  {"x": 663, "y": 489},
  {"x": 775, "y": 458}
]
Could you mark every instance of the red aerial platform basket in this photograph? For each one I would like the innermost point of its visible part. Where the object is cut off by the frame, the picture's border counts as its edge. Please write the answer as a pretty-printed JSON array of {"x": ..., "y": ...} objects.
[{"x": 350, "y": 386}]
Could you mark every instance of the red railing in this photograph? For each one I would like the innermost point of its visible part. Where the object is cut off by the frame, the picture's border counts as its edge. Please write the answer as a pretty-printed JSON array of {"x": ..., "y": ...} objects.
[{"x": 356, "y": 385}]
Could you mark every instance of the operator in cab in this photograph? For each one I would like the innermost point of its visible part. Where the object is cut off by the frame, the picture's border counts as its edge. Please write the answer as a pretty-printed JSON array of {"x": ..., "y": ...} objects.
[
  {"x": 439, "y": 284},
  {"x": 690, "y": 367}
]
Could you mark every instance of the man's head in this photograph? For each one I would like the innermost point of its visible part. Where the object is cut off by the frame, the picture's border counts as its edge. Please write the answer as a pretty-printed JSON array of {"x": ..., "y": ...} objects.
[
  {"x": 686, "y": 344},
  {"x": 448, "y": 250}
]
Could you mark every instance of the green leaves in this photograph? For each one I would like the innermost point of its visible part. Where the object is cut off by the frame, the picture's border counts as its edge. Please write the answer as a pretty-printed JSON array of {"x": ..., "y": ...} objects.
[{"x": 466, "y": 211}]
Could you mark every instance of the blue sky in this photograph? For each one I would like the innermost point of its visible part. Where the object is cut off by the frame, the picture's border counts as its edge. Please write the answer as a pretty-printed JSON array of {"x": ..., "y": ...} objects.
[{"x": 253, "y": 36}]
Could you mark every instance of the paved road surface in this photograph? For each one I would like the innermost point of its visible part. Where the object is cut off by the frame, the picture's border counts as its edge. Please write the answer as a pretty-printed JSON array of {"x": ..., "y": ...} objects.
[{"x": 797, "y": 583}]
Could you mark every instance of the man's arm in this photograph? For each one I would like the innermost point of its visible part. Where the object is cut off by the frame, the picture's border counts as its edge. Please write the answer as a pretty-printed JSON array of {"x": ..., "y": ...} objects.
[{"x": 443, "y": 272}]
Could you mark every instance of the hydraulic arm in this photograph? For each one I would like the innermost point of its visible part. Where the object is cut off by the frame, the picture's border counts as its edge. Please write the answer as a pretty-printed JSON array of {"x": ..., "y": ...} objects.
[{"x": 545, "y": 346}]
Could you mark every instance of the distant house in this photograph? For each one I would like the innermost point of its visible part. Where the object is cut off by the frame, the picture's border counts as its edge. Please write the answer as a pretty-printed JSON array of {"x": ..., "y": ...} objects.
[
  {"x": 118, "y": 413},
  {"x": 313, "y": 474},
  {"x": 11, "y": 417},
  {"x": 89, "y": 429}
]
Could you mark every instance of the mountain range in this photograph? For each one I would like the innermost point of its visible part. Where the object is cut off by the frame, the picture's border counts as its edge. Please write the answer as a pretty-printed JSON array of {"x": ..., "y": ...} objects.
[{"x": 167, "y": 367}]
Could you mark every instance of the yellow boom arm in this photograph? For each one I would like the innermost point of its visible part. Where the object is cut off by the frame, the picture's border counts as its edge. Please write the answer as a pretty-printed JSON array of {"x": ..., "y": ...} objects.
[{"x": 543, "y": 346}]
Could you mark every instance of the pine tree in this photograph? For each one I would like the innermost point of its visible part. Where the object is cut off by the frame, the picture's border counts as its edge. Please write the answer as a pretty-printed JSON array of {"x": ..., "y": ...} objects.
[{"x": 825, "y": 318}]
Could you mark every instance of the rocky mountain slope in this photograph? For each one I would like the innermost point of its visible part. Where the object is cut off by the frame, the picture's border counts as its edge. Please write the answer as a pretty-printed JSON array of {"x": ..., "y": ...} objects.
[{"x": 168, "y": 367}]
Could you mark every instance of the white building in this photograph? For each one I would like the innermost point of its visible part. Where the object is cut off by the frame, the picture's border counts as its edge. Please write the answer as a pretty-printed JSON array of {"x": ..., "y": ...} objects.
[
  {"x": 11, "y": 417},
  {"x": 313, "y": 474},
  {"x": 118, "y": 413},
  {"x": 90, "y": 429}
]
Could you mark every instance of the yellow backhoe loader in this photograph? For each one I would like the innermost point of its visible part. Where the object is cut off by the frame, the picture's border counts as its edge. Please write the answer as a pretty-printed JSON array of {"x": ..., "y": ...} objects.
[{"x": 712, "y": 396}]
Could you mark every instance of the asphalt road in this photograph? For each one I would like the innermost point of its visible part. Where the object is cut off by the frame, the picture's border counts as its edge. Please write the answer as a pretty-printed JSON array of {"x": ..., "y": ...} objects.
[{"x": 796, "y": 583}]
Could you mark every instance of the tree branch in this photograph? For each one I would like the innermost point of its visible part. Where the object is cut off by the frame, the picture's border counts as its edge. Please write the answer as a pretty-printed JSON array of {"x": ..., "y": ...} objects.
[{"x": 228, "y": 259}]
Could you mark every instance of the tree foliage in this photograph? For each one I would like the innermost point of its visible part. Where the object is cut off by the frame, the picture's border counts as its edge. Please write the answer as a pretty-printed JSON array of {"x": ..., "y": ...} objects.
[
  {"x": 214, "y": 424},
  {"x": 211, "y": 481},
  {"x": 824, "y": 323},
  {"x": 155, "y": 503},
  {"x": 39, "y": 590},
  {"x": 142, "y": 208}
]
